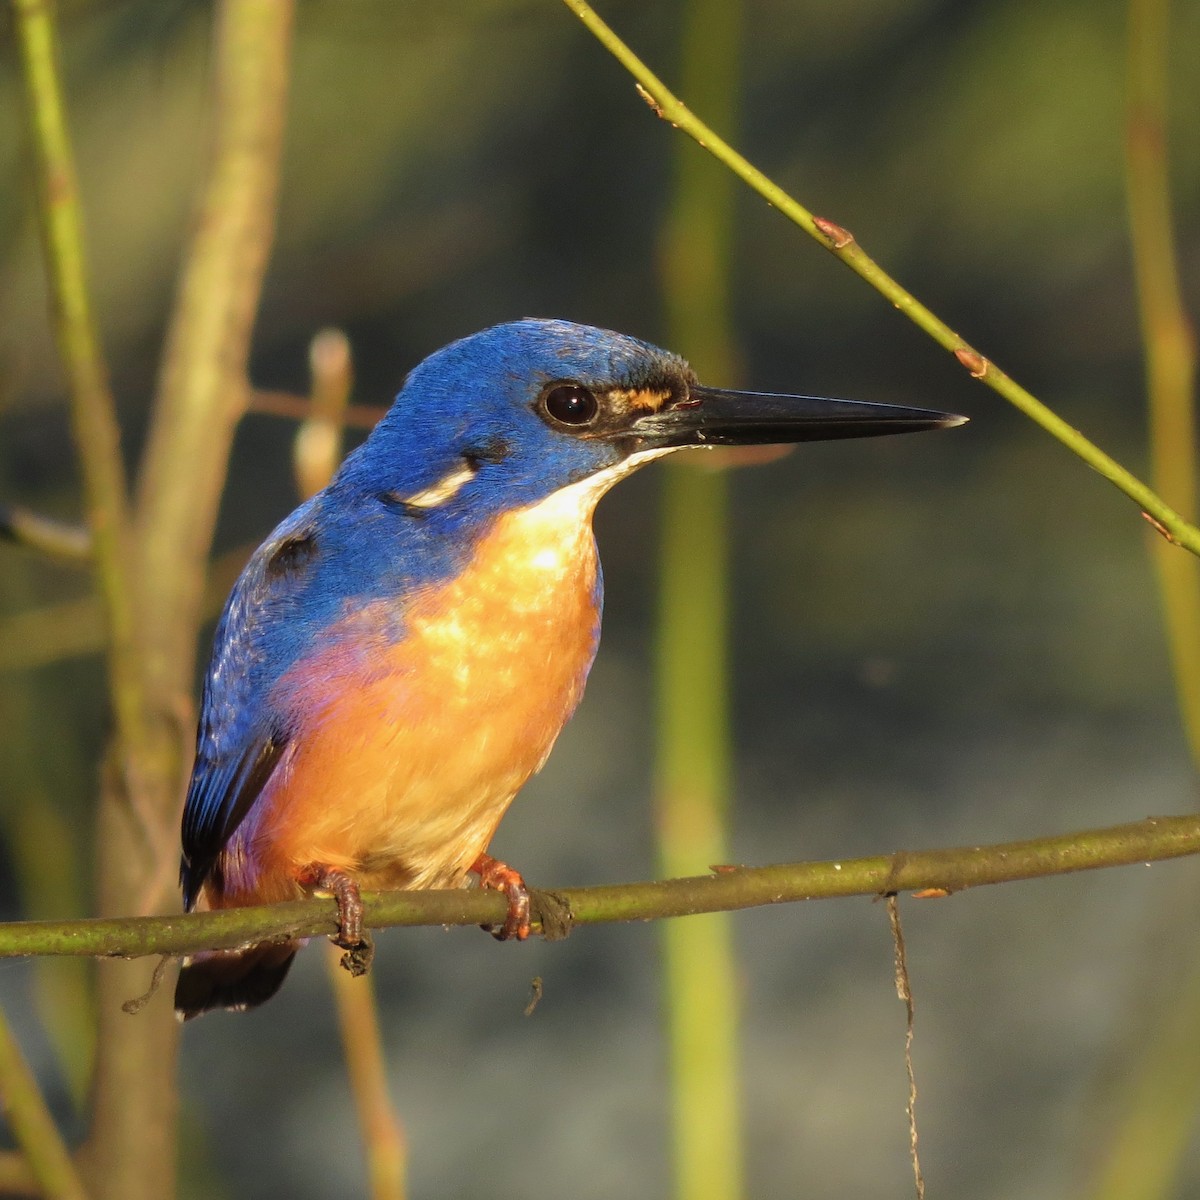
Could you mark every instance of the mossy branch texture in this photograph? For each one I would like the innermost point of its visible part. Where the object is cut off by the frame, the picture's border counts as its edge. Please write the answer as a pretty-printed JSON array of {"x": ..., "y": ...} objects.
[
  {"x": 843, "y": 245},
  {"x": 557, "y": 912}
]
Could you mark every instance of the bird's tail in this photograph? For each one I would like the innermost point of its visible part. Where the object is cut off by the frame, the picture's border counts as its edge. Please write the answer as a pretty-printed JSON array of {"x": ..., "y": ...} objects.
[{"x": 233, "y": 979}]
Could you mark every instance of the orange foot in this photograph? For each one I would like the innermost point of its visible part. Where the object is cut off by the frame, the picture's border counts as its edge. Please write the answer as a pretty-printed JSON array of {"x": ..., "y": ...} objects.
[
  {"x": 500, "y": 877},
  {"x": 351, "y": 935}
]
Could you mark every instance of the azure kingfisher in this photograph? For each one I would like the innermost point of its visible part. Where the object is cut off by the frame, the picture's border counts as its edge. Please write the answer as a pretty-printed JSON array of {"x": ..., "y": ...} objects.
[{"x": 399, "y": 656}]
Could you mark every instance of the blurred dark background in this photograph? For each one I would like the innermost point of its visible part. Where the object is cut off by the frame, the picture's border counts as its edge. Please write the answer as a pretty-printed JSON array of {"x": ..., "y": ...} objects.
[{"x": 940, "y": 640}]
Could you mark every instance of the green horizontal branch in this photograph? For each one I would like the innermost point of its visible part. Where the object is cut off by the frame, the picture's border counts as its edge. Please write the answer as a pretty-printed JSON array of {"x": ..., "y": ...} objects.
[
  {"x": 843, "y": 245},
  {"x": 557, "y": 912}
]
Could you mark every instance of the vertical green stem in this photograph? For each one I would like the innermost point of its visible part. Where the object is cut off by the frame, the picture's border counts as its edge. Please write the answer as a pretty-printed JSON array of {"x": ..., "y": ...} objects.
[
  {"x": 693, "y": 675},
  {"x": 1143, "y": 1151},
  {"x": 93, "y": 412},
  {"x": 132, "y": 1139},
  {"x": 366, "y": 1065},
  {"x": 693, "y": 786},
  {"x": 1170, "y": 346}
]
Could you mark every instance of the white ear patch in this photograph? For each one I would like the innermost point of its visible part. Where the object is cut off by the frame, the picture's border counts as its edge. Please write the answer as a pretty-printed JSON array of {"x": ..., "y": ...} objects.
[{"x": 445, "y": 489}]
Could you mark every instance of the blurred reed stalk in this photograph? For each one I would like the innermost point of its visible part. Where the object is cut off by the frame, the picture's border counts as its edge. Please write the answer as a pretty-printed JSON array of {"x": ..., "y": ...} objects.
[
  {"x": 150, "y": 566},
  {"x": 366, "y": 1066},
  {"x": 317, "y": 446},
  {"x": 65, "y": 629},
  {"x": 131, "y": 775},
  {"x": 201, "y": 394},
  {"x": 49, "y": 877},
  {"x": 693, "y": 742},
  {"x": 1159, "y": 1094},
  {"x": 1168, "y": 337},
  {"x": 45, "y": 847},
  {"x": 93, "y": 411},
  {"x": 32, "y": 1126}
]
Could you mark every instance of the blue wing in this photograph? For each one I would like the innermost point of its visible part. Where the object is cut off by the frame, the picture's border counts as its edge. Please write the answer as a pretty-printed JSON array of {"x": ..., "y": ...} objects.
[{"x": 242, "y": 735}]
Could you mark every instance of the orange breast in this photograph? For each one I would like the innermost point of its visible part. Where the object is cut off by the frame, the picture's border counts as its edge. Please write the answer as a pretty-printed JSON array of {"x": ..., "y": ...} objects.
[{"x": 409, "y": 754}]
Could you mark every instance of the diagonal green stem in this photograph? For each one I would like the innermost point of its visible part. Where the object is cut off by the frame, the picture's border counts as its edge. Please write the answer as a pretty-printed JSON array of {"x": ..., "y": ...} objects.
[
  {"x": 843, "y": 245},
  {"x": 32, "y": 1125}
]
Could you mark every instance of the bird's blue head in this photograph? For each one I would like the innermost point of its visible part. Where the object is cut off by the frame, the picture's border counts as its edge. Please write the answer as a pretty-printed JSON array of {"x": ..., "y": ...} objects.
[
  {"x": 508, "y": 416},
  {"x": 512, "y": 414}
]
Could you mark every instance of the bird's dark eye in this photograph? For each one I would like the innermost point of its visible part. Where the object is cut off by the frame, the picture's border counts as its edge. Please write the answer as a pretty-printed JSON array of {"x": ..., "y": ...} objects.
[{"x": 570, "y": 404}]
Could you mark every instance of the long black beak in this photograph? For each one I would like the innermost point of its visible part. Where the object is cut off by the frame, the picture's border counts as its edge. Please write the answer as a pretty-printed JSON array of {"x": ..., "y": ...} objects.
[{"x": 712, "y": 417}]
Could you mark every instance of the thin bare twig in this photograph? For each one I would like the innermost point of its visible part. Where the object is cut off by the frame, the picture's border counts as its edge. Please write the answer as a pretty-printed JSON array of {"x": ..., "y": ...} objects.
[
  {"x": 904, "y": 991},
  {"x": 292, "y": 407},
  {"x": 70, "y": 543},
  {"x": 693, "y": 773}
]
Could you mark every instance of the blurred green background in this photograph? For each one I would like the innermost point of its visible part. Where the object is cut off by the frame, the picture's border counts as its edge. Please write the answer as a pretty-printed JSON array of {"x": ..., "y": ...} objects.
[{"x": 936, "y": 641}]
